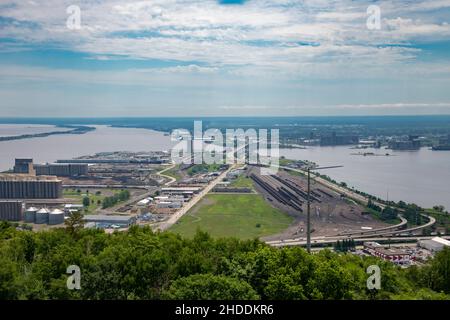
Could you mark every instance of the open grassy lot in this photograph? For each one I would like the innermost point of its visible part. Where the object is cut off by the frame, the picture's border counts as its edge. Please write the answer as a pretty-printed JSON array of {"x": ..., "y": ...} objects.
[
  {"x": 174, "y": 173},
  {"x": 94, "y": 197},
  {"x": 244, "y": 216},
  {"x": 202, "y": 168},
  {"x": 242, "y": 182}
]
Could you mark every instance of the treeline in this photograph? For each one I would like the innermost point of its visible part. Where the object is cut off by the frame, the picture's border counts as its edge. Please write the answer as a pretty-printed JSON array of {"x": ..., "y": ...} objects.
[
  {"x": 140, "y": 264},
  {"x": 345, "y": 245},
  {"x": 410, "y": 212},
  {"x": 111, "y": 201},
  {"x": 386, "y": 214}
]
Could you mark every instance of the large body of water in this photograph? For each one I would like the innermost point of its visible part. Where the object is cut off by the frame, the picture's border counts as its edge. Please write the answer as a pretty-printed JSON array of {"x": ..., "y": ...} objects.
[
  {"x": 422, "y": 177},
  {"x": 9, "y": 130},
  {"x": 67, "y": 146}
]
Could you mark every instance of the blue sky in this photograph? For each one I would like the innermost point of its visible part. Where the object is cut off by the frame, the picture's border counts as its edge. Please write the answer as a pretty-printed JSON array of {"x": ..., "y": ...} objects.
[{"x": 230, "y": 58}]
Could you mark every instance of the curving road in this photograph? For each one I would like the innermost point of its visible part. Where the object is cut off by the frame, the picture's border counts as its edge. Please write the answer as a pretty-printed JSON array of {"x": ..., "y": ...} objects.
[
  {"x": 177, "y": 215},
  {"x": 358, "y": 234}
]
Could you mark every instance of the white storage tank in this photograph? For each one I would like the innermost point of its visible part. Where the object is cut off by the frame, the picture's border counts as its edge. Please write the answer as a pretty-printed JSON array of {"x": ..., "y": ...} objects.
[
  {"x": 30, "y": 215},
  {"x": 56, "y": 217},
  {"x": 42, "y": 216}
]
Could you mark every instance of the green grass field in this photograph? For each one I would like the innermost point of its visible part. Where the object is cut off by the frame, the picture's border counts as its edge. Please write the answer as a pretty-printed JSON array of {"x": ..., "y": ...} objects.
[
  {"x": 244, "y": 216},
  {"x": 95, "y": 199},
  {"x": 242, "y": 182},
  {"x": 174, "y": 173}
]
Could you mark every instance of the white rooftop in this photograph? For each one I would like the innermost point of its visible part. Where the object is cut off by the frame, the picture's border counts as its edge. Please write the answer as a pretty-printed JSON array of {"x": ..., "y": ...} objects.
[{"x": 441, "y": 241}]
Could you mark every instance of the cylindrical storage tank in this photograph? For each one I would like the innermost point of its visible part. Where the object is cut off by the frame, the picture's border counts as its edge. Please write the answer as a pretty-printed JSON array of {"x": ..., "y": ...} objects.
[
  {"x": 42, "y": 216},
  {"x": 30, "y": 215},
  {"x": 56, "y": 217}
]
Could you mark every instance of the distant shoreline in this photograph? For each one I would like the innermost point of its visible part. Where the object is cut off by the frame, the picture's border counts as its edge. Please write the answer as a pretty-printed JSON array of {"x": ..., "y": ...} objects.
[{"x": 75, "y": 130}]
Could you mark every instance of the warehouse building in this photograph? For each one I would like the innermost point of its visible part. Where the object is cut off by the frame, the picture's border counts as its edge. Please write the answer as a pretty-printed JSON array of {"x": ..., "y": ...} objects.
[
  {"x": 24, "y": 166},
  {"x": 11, "y": 210},
  {"x": 109, "y": 220},
  {"x": 23, "y": 186},
  {"x": 396, "y": 256},
  {"x": 61, "y": 169},
  {"x": 434, "y": 245}
]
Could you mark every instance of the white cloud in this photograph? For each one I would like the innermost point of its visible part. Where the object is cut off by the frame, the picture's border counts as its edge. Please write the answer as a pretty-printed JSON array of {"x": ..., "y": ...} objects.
[{"x": 260, "y": 33}]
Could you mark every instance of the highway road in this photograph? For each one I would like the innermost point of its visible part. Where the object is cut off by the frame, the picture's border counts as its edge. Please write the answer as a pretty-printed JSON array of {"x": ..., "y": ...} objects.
[
  {"x": 359, "y": 237},
  {"x": 358, "y": 234},
  {"x": 365, "y": 232},
  {"x": 302, "y": 241}
]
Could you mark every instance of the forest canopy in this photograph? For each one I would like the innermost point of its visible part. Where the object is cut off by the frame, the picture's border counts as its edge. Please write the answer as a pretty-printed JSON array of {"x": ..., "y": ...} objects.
[{"x": 141, "y": 264}]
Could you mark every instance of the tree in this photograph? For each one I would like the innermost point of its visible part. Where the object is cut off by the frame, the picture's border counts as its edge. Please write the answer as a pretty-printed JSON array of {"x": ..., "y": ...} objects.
[
  {"x": 86, "y": 201},
  {"x": 440, "y": 271},
  {"x": 75, "y": 222},
  {"x": 210, "y": 287},
  {"x": 283, "y": 287}
]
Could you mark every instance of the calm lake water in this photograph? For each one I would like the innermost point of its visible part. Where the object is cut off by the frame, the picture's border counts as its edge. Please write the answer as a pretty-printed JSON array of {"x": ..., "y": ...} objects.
[
  {"x": 67, "y": 146},
  {"x": 422, "y": 176},
  {"x": 8, "y": 130}
]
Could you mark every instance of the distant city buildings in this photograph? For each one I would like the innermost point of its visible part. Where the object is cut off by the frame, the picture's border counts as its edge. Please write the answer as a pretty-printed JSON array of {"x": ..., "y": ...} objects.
[
  {"x": 412, "y": 143},
  {"x": 443, "y": 144},
  {"x": 338, "y": 140}
]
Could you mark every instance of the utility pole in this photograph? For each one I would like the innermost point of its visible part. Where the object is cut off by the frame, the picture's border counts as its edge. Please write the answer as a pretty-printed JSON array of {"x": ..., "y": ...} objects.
[
  {"x": 308, "y": 199},
  {"x": 308, "y": 214},
  {"x": 308, "y": 206}
]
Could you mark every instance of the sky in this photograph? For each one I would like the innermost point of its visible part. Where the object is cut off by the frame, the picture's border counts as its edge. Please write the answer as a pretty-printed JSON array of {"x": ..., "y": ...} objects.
[{"x": 224, "y": 58}]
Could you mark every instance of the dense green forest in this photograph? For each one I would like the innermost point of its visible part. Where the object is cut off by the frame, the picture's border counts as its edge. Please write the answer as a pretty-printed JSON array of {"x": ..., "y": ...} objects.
[{"x": 140, "y": 264}]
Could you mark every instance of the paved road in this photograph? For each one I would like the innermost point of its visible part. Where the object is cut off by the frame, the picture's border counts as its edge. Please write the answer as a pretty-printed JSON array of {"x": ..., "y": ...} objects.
[
  {"x": 361, "y": 237},
  {"x": 177, "y": 215},
  {"x": 357, "y": 235},
  {"x": 302, "y": 242},
  {"x": 171, "y": 179},
  {"x": 103, "y": 186},
  {"x": 366, "y": 232}
]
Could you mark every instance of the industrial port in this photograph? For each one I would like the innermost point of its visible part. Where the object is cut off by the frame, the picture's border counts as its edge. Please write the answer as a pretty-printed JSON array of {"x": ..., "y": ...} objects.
[{"x": 115, "y": 190}]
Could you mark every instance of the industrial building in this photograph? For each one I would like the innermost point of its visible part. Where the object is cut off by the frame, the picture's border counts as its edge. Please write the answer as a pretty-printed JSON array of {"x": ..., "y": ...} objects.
[
  {"x": 434, "y": 245},
  {"x": 185, "y": 191},
  {"x": 396, "y": 256},
  {"x": 25, "y": 186},
  {"x": 11, "y": 210},
  {"x": 42, "y": 216},
  {"x": 56, "y": 217},
  {"x": 169, "y": 204},
  {"x": 61, "y": 169},
  {"x": 24, "y": 166},
  {"x": 108, "y": 220},
  {"x": 30, "y": 215}
]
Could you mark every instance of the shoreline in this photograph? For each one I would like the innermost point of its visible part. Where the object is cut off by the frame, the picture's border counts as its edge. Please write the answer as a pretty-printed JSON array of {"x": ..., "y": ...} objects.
[{"x": 75, "y": 130}]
